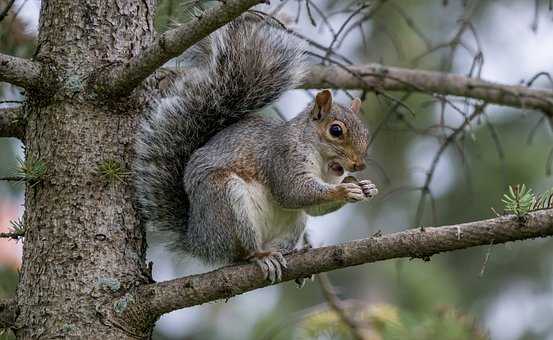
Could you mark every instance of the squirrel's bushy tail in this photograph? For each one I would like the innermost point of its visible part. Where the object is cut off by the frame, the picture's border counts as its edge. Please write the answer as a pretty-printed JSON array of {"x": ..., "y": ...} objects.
[{"x": 239, "y": 69}]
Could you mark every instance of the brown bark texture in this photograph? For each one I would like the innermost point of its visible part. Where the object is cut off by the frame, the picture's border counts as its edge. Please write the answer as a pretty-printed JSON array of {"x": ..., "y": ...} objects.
[
  {"x": 83, "y": 241},
  {"x": 376, "y": 77}
]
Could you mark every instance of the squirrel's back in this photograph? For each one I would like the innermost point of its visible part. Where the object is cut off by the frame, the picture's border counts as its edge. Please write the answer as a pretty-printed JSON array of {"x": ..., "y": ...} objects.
[
  {"x": 239, "y": 69},
  {"x": 237, "y": 148}
]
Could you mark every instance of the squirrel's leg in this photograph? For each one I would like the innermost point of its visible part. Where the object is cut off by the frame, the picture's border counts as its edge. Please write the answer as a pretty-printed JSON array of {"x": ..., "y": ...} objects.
[
  {"x": 271, "y": 263},
  {"x": 246, "y": 222},
  {"x": 303, "y": 191},
  {"x": 220, "y": 227},
  {"x": 290, "y": 240},
  {"x": 324, "y": 208},
  {"x": 367, "y": 187},
  {"x": 212, "y": 224}
]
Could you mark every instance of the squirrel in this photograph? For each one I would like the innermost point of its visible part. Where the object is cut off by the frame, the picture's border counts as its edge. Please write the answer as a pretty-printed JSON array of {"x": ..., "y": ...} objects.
[{"x": 226, "y": 185}]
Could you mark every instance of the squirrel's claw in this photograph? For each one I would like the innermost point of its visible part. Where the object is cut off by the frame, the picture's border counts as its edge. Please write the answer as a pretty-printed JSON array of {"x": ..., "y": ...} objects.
[
  {"x": 300, "y": 282},
  {"x": 271, "y": 263},
  {"x": 369, "y": 188}
]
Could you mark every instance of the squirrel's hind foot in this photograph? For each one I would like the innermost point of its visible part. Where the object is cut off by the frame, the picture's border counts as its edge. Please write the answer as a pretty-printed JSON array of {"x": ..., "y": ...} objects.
[
  {"x": 271, "y": 263},
  {"x": 300, "y": 282}
]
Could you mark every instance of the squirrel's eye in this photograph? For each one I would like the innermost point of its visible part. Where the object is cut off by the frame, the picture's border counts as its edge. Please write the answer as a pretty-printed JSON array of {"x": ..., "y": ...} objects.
[{"x": 335, "y": 130}]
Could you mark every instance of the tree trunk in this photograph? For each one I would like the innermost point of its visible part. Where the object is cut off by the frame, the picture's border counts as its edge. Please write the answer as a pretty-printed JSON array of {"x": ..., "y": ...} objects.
[{"x": 83, "y": 241}]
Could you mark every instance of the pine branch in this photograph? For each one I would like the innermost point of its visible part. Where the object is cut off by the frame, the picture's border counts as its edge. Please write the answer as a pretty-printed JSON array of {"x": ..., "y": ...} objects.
[
  {"x": 12, "y": 178},
  {"x": 11, "y": 235},
  {"x": 12, "y": 123},
  {"x": 379, "y": 77},
  {"x": 147, "y": 302},
  {"x": 19, "y": 71},
  {"x": 122, "y": 80}
]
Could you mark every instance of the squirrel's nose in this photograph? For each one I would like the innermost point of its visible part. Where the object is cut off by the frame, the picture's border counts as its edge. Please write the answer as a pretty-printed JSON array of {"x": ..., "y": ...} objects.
[{"x": 358, "y": 166}]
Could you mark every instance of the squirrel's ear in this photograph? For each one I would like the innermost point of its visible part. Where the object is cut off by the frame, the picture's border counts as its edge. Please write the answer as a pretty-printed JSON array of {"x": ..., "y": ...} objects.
[
  {"x": 323, "y": 104},
  {"x": 356, "y": 105}
]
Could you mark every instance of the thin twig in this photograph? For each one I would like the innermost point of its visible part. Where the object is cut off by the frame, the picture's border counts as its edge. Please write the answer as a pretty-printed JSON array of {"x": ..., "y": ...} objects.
[
  {"x": 12, "y": 235},
  {"x": 12, "y": 179},
  {"x": 337, "y": 306}
]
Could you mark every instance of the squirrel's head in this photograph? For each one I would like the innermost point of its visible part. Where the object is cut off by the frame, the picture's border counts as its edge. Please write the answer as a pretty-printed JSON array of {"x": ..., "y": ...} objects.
[{"x": 343, "y": 137}]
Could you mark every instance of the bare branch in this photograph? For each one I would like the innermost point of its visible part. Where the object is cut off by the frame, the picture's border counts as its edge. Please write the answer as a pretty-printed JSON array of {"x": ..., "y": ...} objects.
[
  {"x": 379, "y": 77},
  {"x": 5, "y": 11},
  {"x": 12, "y": 235},
  {"x": 13, "y": 178},
  {"x": 8, "y": 313},
  {"x": 19, "y": 71},
  {"x": 338, "y": 307},
  {"x": 152, "y": 300},
  {"x": 12, "y": 123},
  {"x": 170, "y": 44}
]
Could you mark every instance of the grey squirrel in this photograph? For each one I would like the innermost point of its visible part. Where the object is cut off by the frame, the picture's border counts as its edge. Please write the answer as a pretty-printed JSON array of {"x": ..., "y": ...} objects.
[{"x": 226, "y": 185}]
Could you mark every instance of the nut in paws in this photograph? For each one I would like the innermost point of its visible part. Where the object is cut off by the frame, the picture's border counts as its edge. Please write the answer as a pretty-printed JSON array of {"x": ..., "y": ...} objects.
[
  {"x": 350, "y": 192},
  {"x": 369, "y": 188}
]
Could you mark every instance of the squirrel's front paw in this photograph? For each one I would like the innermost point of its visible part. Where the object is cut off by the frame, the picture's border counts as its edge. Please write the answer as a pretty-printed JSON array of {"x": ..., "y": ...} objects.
[
  {"x": 350, "y": 192},
  {"x": 271, "y": 263},
  {"x": 369, "y": 188}
]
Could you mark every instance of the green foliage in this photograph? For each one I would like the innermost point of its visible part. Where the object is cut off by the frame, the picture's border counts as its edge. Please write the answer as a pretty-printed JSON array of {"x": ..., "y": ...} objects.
[
  {"x": 326, "y": 324},
  {"x": 172, "y": 12},
  {"x": 112, "y": 171},
  {"x": 108, "y": 282},
  {"x": 444, "y": 323},
  {"x": 17, "y": 228},
  {"x": 123, "y": 303},
  {"x": 518, "y": 200},
  {"x": 521, "y": 200},
  {"x": 543, "y": 200},
  {"x": 8, "y": 284},
  {"x": 31, "y": 170},
  {"x": 387, "y": 322}
]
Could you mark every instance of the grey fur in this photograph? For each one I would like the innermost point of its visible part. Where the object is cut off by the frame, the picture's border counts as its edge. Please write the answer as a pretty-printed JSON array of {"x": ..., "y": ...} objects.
[
  {"x": 285, "y": 160},
  {"x": 249, "y": 64},
  {"x": 226, "y": 184}
]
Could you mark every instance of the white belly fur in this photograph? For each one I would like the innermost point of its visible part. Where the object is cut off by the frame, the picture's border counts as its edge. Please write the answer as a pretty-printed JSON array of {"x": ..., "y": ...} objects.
[{"x": 271, "y": 220}]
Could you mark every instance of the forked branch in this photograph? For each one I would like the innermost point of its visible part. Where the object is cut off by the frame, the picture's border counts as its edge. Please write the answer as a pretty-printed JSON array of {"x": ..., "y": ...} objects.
[
  {"x": 122, "y": 80},
  {"x": 372, "y": 77}
]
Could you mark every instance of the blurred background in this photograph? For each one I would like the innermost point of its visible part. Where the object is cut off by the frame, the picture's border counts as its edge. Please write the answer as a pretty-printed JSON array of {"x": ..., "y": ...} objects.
[{"x": 500, "y": 292}]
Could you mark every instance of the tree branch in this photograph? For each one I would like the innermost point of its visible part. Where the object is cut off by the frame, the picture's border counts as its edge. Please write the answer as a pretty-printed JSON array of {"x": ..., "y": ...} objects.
[
  {"x": 19, "y": 71},
  {"x": 12, "y": 123},
  {"x": 8, "y": 313},
  {"x": 5, "y": 11},
  {"x": 170, "y": 44},
  {"x": 375, "y": 76},
  {"x": 152, "y": 300}
]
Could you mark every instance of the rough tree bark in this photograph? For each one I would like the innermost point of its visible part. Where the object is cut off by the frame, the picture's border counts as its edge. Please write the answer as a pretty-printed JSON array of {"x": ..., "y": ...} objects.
[
  {"x": 84, "y": 273},
  {"x": 83, "y": 241}
]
